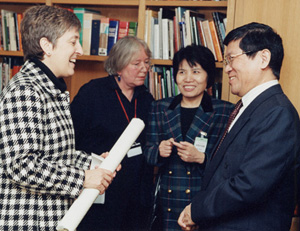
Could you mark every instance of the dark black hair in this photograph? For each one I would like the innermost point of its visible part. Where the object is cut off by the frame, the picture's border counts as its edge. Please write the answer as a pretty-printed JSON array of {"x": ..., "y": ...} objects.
[
  {"x": 255, "y": 37},
  {"x": 196, "y": 55}
]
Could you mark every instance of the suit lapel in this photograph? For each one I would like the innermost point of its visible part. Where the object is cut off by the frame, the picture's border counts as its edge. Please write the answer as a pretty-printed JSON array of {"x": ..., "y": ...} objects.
[
  {"x": 214, "y": 163},
  {"x": 172, "y": 114},
  {"x": 201, "y": 122}
]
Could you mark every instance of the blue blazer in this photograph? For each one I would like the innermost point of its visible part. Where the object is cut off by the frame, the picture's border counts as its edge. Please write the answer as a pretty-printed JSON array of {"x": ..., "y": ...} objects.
[
  {"x": 250, "y": 182},
  {"x": 180, "y": 181}
]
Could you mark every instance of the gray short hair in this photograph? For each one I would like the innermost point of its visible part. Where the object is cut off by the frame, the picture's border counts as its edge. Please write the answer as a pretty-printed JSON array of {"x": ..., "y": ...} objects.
[{"x": 123, "y": 52}]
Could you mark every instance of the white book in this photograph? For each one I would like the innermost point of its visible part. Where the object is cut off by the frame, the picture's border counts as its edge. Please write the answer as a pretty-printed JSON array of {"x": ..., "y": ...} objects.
[
  {"x": 188, "y": 35},
  {"x": 171, "y": 38},
  {"x": 12, "y": 32},
  {"x": 160, "y": 41},
  {"x": 146, "y": 26},
  {"x": 165, "y": 38},
  {"x": 156, "y": 43},
  {"x": 169, "y": 83},
  {"x": 87, "y": 31}
]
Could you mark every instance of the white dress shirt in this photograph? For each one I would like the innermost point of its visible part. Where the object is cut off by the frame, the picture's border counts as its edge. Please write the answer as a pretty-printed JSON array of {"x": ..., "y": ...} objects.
[{"x": 251, "y": 95}]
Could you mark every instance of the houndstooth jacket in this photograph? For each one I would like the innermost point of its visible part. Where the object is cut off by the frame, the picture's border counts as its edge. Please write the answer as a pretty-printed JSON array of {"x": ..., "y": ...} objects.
[{"x": 40, "y": 170}]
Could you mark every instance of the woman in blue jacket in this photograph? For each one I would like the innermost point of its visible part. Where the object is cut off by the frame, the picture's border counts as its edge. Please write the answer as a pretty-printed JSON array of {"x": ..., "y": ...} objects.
[{"x": 182, "y": 131}]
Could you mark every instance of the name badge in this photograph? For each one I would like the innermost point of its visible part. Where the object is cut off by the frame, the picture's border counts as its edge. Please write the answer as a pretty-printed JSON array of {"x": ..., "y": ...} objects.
[
  {"x": 201, "y": 142},
  {"x": 135, "y": 150}
]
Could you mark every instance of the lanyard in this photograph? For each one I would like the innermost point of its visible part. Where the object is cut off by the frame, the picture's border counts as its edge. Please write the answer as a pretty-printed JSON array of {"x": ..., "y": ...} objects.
[{"x": 135, "y": 102}]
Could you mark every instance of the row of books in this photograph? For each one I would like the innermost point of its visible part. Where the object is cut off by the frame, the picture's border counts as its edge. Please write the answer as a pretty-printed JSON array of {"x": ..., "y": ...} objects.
[
  {"x": 99, "y": 33},
  {"x": 160, "y": 83},
  {"x": 9, "y": 66},
  {"x": 10, "y": 37},
  {"x": 168, "y": 30}
]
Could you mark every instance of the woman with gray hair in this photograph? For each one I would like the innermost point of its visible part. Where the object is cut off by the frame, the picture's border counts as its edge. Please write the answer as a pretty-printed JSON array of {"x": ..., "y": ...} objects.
[{"x": 101, "y": 111}]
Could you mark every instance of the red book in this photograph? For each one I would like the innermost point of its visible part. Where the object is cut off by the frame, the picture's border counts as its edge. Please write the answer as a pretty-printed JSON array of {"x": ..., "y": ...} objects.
[{"x": 123, "y": 29}]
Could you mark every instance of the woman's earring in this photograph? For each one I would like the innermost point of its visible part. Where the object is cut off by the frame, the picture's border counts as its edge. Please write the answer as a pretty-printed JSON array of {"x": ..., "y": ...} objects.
[{"x": 119, "y": 78}]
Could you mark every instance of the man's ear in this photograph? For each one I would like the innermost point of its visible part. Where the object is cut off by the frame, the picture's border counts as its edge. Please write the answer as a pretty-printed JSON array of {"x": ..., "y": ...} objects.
[
  {"x": 266, "y": 58},
  {"x": 46, "y": 46}
]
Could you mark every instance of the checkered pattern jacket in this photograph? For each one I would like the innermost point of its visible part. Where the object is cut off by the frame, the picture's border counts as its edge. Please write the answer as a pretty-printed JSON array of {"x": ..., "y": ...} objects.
[
  {"x": 40, "y": 171},
  {"x": 180, "y": 181}
]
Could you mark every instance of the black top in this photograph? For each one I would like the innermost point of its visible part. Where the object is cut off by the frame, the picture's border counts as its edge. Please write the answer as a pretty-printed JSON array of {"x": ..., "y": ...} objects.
[
  {"x": 99, "y": 120},
  {"x": 187, "y": 116}
]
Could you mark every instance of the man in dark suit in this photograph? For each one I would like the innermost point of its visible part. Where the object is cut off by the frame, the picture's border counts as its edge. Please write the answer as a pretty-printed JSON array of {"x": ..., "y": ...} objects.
[{"x": 251, "y": 180}]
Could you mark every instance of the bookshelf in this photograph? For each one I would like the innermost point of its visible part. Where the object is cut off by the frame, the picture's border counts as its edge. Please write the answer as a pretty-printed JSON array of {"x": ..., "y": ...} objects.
[{"x": 90, "y": 67}]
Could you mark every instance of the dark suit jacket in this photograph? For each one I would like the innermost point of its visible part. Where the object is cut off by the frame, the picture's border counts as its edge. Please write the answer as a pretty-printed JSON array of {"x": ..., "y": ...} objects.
[{"x": 250, "y": 182}]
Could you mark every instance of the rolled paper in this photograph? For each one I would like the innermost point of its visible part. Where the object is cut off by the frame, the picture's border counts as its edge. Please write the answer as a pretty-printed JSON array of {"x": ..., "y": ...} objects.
[{"x": 85, "y": 200}]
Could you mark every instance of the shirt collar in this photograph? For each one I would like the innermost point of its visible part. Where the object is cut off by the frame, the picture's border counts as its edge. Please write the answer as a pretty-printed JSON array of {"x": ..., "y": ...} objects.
[{"x": 253, "y": 93}]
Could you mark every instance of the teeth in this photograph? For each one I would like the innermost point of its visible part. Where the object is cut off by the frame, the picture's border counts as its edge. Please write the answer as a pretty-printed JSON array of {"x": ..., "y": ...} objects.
[
  {"x": 73, "y": 60},
  {"x": 189, "y": 87}
]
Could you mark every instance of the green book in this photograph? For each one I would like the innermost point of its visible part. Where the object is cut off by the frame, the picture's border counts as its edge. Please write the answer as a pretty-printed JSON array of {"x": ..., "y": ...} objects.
[{"x": 132, "y": 28}]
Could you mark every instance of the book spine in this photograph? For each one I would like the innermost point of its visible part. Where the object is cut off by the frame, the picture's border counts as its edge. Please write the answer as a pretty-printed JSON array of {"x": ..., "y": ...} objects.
[
  {"x": 95, "y": 38},
  {"x": 112, "y": 34}
]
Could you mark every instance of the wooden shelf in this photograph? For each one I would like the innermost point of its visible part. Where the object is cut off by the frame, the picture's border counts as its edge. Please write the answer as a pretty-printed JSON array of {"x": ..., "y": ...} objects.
[
  {"x": 23, "y": 1},
  {"x": 169, "y": 62},
  {"x": 214, "y": 4},
  {"x": 11, "y": 53},
  {"x": 98, "y": 2}
]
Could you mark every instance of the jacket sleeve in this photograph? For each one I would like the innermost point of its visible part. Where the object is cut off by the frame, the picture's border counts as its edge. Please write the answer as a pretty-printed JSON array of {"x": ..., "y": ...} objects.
[
  {"x": 27, "y": 158},
  {"x": 154, "y": 135}
]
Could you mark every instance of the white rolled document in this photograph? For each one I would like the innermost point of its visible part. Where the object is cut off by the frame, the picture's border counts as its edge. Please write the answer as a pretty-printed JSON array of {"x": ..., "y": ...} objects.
[{"x": 83, "y": 203}]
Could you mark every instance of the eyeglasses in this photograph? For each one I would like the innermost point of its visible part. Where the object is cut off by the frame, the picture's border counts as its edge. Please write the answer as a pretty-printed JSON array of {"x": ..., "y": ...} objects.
[{"x": 229, "y": 58}]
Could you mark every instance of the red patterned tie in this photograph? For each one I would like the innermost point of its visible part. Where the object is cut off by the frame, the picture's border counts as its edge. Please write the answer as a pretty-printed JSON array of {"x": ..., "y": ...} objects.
[{"x": 233, "y": 114}]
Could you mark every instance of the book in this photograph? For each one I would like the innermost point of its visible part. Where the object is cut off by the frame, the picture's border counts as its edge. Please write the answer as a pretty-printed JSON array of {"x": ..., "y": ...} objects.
[
  {"x": 12, "y": 31},
  {"x": 146, "y": 25},
  {"x": 187, "y": 33},
  {"x": 123, "y": 29},
  {"x": 160, "y": 38},
  {"x": 87, "y": 31},
  {"x": 201, "y": 32},
  {"x": 165, "y": 38},
  {"x": 1, "y": 35},
  {"x": 104, "y": 28},
  {"x": 133, "y": 29},
  {"x": 95, "y": 37},
  {"x": 5, "y": 28},
  {"x": 218, "y": 19},
  {"x": 152, "y": 20},
  {"x": 171, "y": 39},
  {"x": 112, "y": 34},
  {"x": 79, "y": 12},
  {"x": 176, "y": 34},
  {"x": 215, "y": 40},
  {"x": 208, "y": 37},
  {"x": 18, "y": 26},
  {"x": 156, "y": 45}
]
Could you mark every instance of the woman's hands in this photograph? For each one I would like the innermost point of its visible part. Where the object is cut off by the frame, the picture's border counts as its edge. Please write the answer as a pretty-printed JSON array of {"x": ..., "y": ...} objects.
[
  {"x": 99, "y": 178},
  {"x": 165, "y": 147},
  {"x": 189, "y": 153},
  {"x": 186, "y": 151}
]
